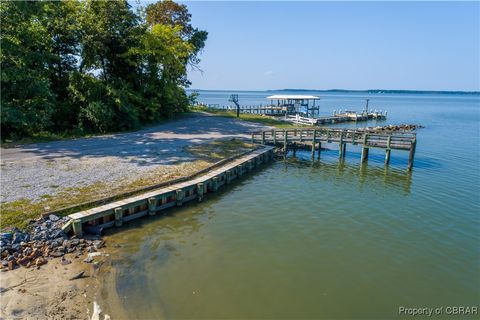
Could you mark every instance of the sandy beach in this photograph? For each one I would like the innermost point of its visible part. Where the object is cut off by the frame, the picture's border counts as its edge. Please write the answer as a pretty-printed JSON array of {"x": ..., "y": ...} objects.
[{"x": 48, "y": 292}]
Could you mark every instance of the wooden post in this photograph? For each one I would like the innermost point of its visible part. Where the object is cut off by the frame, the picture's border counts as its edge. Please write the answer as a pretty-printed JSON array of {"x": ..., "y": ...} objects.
[
  {"x": 263, "y": 137},
  {"x": 274, "y": 134},
  {"x": 215, "y": 184},
  {"x": 152, "y": 204},
  {"x": 228, "y": 175},
  {"x": 319, "y": 148},
  {"x": 301, "y": 135},
  {"x": 118, "y": 217},
  {"x": 340, "y": 146},
  {"x": 285, "y": 137},
  {"x": 388, "y": 150},
  {"x": 180, "y": 194},
  {"x": 253, "y": 140},
  {"x": 200, "y": 190},
  {"x": 77, "y": 228},
  {"x": 412, "y": 154},
  {"x": 365, "y": 149},
  {"x": 314, "y": 138}
]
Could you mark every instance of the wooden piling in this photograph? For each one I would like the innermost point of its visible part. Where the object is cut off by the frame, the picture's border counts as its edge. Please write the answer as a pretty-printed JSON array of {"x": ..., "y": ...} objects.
[
  {"x": 152, "y": 204},
  {"x": 319, "y": 149},
  {"x": 228, "y": 176},
  {"x": 200, "y": 190},
  {"x": 118, "y": 217},
  {"x": 263, "y": 137},
  {"x": 180, "y": 194},
  {"x": 388, "y": 150},
  {"x": 285, "y": 141},
  {"x": 274, "y": 135},
  {"x": 314, "y": 138},
  {"x": 340, "y": 146},
  {"x": 365, "y": 148},
  {"x": 411, "y": 155},
  {"x": 215, "y": 184},
  {"x": 77, "y": 228}
]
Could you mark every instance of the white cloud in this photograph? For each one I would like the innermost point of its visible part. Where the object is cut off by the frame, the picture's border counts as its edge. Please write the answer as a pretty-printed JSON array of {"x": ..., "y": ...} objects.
[{"x": 268, "y": 73}]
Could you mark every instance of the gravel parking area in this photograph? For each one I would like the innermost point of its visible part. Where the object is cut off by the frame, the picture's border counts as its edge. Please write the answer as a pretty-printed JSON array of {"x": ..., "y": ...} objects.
[{"x": 36, "y": 170}]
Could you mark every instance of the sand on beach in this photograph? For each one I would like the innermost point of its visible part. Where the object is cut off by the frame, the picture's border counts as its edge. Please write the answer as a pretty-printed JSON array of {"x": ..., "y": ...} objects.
[{"x": 48, "y": 292}]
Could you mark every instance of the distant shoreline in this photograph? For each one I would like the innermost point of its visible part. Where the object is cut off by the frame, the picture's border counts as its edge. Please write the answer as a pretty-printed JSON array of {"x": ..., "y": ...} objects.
[{"x": 369, "y": 91}]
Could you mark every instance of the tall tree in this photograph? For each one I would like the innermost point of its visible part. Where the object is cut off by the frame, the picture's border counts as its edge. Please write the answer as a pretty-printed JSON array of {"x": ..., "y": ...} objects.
[
  {"x": 91, "y": 65},
  {"x": 27, "y": 101},
  {"x": 170, "y": 13}
]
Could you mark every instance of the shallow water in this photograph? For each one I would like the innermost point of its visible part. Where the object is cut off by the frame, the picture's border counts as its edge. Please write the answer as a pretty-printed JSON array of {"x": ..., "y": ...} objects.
[{"x": 323, "y": 239}]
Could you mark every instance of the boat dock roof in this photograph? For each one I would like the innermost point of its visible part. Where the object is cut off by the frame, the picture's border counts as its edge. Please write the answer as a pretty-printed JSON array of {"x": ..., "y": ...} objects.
[{"x": 292, "y": 97}]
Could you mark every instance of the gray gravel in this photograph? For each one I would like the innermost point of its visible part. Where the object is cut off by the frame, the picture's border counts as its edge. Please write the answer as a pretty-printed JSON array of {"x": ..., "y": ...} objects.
[{"x": 34, "y": 170}]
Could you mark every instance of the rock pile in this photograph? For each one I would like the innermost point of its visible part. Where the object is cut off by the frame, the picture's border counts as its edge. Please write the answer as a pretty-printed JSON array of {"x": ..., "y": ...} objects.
[
  {"x": 45, "y": 241},
  {"x": 395, "y": 128}
]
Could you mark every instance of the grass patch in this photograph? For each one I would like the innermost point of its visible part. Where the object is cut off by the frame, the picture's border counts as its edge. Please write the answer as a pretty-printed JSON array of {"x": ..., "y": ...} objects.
[
  {"x": 18, "y": 213},
  {"x": 257, "y": 118},
  {"x": 219, "y": 149}
]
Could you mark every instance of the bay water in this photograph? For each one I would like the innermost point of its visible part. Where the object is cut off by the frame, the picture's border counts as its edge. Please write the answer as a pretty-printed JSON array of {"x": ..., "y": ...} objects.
[{"x": 326, "y": 238}]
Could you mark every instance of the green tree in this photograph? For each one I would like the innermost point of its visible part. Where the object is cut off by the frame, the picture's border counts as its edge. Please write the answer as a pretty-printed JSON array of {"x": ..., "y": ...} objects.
[
  {"x": 170, "y": 13},
  {"x": 93, "y": 65},
  {"x": 27, "y": 101}
]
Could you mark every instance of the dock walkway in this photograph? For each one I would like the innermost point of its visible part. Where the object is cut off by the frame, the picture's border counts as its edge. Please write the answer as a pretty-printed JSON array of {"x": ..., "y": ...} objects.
[
  {"x": 118, "y": 212},
  {"x": 293, "y": 139}
]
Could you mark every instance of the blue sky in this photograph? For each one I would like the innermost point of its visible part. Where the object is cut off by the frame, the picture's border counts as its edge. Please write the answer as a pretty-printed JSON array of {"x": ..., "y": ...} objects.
[{"x": 349, "y": 45}]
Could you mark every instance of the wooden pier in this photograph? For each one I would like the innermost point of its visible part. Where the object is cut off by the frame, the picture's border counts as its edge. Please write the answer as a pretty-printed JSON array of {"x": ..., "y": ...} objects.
[
  {"x": 312, "y": 139},
  {"x": 150, "y": 203},
  {"x": 336, "y": 118},
  {"x": 279, "y": 114}
]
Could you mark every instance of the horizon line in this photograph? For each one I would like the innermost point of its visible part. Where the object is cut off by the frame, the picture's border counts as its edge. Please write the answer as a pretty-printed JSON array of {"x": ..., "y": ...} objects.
[{"x": 348, "y": 90}]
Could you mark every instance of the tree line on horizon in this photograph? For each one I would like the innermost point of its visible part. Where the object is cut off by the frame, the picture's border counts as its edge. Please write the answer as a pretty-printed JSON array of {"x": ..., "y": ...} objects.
[{"x": 89, "y": 66}]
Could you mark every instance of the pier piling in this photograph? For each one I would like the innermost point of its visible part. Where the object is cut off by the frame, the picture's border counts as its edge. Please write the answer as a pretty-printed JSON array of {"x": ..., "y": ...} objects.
[
  {"x": 314, "y": 138},
  {"x": 152, "y": 204},
  {"x": 365, "y": 148},
  {"x": 388, "y": 150},
  {"x": 411, "y": 155},
  {"x": 118, "y": 217}
]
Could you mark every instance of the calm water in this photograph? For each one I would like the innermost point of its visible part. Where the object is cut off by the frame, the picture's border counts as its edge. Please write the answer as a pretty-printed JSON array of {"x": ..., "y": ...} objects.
[{"x": 323, "y": 239}]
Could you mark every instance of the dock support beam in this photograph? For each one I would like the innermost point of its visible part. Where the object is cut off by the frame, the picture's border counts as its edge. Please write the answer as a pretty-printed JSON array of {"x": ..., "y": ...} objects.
[
  {"x": 314, "y": 141},
  {"x": 118, "y": 217},
  {"x": 319, "y": 149},
  {"x": 274, "y": 135},
  {"x": 285, "y": 138},
  {"x": 388, "y": 150},
  {"x": 341, "y": 147},
  {"x": 180, "y": 194},
  {"x": 365, "y": 148},
  {"x": 200, "y": 190},
  {"x": 411, "y": 155},
  {"x": 77, "y": 228},
  {"x": 152, "y": 204},
  {"x": 215, "y": 184}
]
